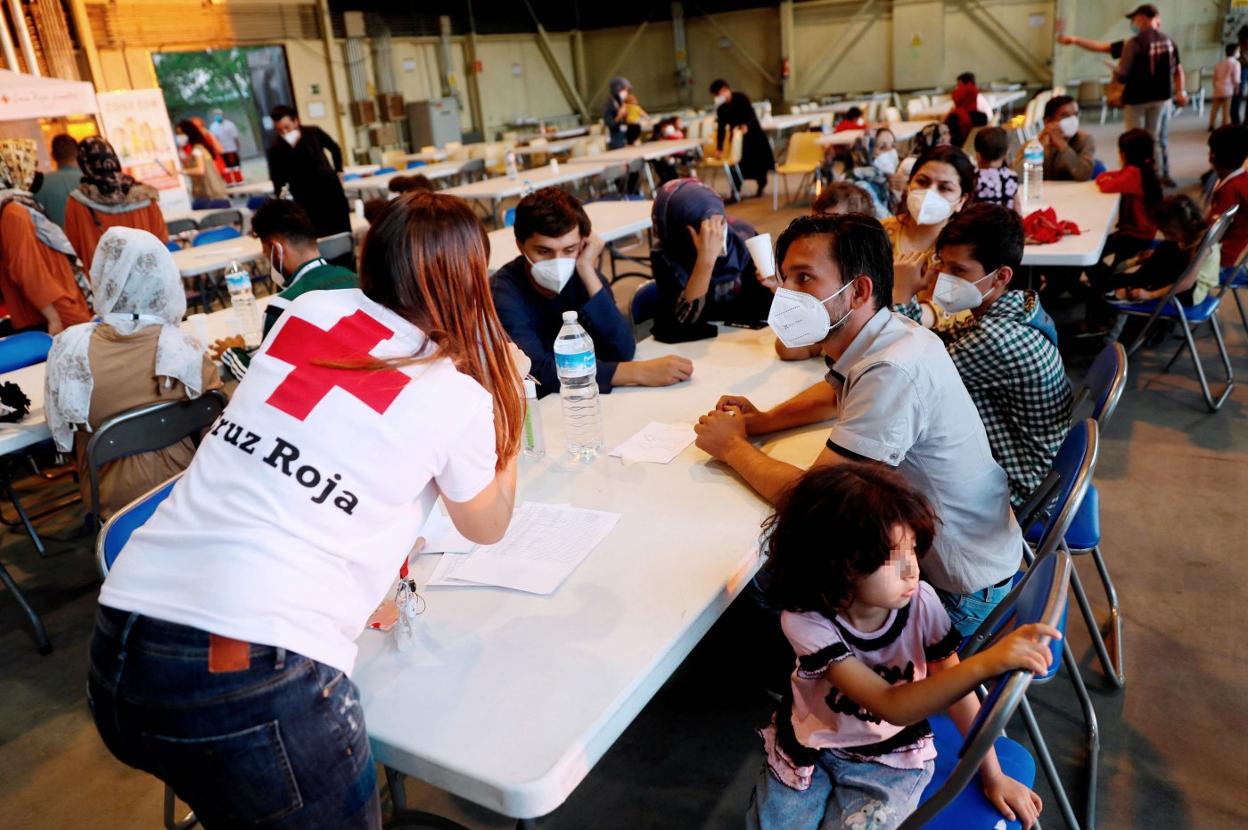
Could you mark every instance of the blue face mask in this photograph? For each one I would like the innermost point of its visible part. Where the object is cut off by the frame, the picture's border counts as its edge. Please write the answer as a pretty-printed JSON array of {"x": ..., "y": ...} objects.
[{"x": 1135, "y": 28}]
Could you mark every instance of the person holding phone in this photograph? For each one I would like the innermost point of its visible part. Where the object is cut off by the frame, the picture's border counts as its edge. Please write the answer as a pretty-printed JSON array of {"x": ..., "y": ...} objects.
[
  {"x": 557, "y": 271},
  {"x": 225, "y": 636}
]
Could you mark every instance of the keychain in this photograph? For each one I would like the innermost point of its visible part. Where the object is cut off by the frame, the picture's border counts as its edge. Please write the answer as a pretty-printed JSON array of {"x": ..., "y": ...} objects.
[{"x": 411, "y": 605}]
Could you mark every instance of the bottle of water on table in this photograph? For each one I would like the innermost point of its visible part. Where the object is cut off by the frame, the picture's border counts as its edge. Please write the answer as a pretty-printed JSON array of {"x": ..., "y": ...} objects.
[
  {"x": 1033, "y": 173},
  {"x": 243, "y": 300},
  {"x": 578, "y": 387}
]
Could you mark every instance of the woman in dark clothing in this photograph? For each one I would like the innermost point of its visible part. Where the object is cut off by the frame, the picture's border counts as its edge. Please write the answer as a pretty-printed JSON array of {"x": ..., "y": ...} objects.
[
  {"x": 298, "y": 159},
  {"x": 735, "y": 110},
  {"x": 701, "y": 265},
  {"x": 613, "y": 113}
]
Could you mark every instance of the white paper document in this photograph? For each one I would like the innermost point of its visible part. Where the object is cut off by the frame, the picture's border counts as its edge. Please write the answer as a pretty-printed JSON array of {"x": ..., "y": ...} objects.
[
  {"x": 543, "y": 545},
  {"x": 656, "y": 442}
]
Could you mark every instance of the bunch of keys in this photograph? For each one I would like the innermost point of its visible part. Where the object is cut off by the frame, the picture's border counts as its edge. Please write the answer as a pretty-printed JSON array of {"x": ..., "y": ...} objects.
[{"x": 411, "y": 605}]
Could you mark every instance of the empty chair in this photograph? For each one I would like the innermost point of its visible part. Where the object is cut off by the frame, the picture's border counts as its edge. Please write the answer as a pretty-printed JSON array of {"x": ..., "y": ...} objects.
[
  {"x": 255, "y": 202},
  {"x": 181, "y": 226},
  {"x": 222, "y": 218},
  {"x": 215, "y": 235},
  {"x": 26, "y": 348},
  {"x": 204, "y": 203},
  {"x": 803, "y": 158}
]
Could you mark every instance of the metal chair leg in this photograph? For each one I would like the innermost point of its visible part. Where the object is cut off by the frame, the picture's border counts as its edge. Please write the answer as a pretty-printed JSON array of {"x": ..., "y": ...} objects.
[
  {"x": 1114, "y": 624},
  {"x": 405, "y": 817},
  {"x": 1239, "y": 303},
  {"x": 24, "y": 517},
  {"x": 1214, "y": 403},
  {"x": 1112, "y": 668},
  {"x": 1094, "y": 731},
  {"x": 171, "y": 818},
  {"x": 36, "y": 623},
  {"x": 1047, "y": 765}
]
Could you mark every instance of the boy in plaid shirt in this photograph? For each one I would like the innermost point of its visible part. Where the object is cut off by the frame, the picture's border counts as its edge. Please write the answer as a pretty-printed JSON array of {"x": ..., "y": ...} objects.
[{"x": 1005, "y": 349}]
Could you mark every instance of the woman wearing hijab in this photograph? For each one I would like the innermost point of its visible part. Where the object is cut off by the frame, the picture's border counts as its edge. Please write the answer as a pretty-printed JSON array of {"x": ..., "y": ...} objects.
[
  {"x": 37, "y": 263},
  {"x": 701, "y": 265},
  {"x": 614, "y": 111},
  {"x": 134, "y": 354},
  {"x": 108, "y": 198},
  {"x": 870, "y": 176}
]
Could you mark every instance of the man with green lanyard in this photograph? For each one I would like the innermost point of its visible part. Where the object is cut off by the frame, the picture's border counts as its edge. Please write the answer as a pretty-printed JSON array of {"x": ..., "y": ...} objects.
[{"x": 288, "y": 239}]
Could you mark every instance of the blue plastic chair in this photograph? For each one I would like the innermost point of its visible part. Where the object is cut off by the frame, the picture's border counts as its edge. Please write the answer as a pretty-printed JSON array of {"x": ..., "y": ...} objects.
[
  {"x": 204, "y": 203},
  {"x": 381, "y": 171},
  {"x": 255, "y": 202},
  {"x": 26, "y": 348},
  {"x": 1234, "y": 278},
  {"x": 173, "y": 245},
  {"x": 1189, "y": 318},
  {"x": 949, "y": 802},
  {"x": 1098, "y": 167},
  {"x": 350, "y": 177},
  {"x": 645, "y": 303},
  {"x": 414, "y": 164},
  {"x": 1072, "y": 471},
  {"x": 117, "y": 530},
  {"x": 220, "y": 234},
  {"x": 509, "y": 217}
]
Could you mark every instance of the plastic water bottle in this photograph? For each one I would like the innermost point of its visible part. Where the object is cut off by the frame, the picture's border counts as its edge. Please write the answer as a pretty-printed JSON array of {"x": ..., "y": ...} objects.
[
  {"x": 1033, "y": 172},
  {"x": 578, "y": 386},
  {"x": 243, "y": 301},
  {"x": 534, "y": 441},
  {"x": 512, "y": 169}
]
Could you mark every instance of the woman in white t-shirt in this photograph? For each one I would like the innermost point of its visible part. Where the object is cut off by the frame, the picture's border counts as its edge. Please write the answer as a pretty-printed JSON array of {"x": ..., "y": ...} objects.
[{"x": 226, "y": 628}]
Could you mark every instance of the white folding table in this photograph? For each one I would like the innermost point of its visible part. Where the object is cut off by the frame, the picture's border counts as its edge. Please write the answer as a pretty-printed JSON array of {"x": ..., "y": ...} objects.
[
  {"x": 1084, "y": 204},
  {"x": 433, "y": 172},
  {"x": 610, "y": 220},
  {"x": 495, "y": 190},
  {"x": 509, "y": 699},
  {"x": 901, "y": 130},
  {"x": 194, "y": 261}
]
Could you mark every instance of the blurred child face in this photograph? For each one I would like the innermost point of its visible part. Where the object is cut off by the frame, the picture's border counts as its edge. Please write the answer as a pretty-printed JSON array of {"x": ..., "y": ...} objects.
[
  {"x": 894, "y": 583},
  {"x": 884, "y": 141}
]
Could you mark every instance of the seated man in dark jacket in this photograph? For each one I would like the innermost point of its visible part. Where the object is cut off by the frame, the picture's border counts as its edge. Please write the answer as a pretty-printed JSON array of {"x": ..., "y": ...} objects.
[{"x": 557, "y": 272}]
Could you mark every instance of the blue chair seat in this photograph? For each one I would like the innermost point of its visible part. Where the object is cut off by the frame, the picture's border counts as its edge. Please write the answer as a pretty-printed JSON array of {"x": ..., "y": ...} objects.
[
  {"x": 1195, "y": 314},
  {"x": 1085, "y": 530},
  {"x": 971, "y": 809},
  {"x": 350, "y": 177},
  {"x": 26, "y": 348},
  {"x": 417, "y": 163},
  {"x": 1233, "y": 277},
  {"x": 211, "y": 235},
  {"x": 381, "y": 171},
  {"x": 128, "y": 520}
]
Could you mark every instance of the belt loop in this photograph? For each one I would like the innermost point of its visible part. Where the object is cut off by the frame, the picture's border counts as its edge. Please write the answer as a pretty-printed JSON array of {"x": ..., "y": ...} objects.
[{"x": 281, "y": 660}]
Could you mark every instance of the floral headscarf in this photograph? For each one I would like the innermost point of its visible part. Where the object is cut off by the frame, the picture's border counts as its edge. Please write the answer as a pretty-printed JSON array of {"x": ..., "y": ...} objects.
[
  {"x": 18, "y": 157},
  {"x": 137, "y": 285}
]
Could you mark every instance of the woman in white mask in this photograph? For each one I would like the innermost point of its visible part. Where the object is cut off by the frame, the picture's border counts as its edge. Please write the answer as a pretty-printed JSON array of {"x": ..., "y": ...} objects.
[
  {"x": 940, "y": 185},
  {"x": 133, "y": 354}
]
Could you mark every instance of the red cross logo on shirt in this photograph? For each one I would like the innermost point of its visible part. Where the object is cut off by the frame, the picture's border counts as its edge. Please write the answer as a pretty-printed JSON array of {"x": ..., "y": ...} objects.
[{"x": 307, "y": 346}]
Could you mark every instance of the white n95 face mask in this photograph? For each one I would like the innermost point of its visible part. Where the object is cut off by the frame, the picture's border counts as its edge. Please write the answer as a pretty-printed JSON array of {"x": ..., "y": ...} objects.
[
  {"x": 886, "y": 162},
  {"x": 927, "y": 207},
  {"x": 1069, "y": 125},
  {"x": 800, "y": 319},
  {"x": 955, "y": 294},
  {"x": 553, "y": 274},
  {"x": 292, "y": 137}
]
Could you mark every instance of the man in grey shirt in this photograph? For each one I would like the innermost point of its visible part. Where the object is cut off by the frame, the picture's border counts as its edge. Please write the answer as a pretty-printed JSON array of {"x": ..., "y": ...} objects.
[
  {"x": 1069, "y": 152},
  {"x": 58, "y": 184}
]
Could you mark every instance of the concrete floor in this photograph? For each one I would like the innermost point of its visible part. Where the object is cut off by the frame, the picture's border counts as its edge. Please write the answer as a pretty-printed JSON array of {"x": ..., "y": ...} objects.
[{"x": 1174, "y": 749}]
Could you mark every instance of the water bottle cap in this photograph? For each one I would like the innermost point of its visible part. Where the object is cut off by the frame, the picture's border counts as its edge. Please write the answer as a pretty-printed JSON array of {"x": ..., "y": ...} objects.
[{"x": 569, "y": 316}]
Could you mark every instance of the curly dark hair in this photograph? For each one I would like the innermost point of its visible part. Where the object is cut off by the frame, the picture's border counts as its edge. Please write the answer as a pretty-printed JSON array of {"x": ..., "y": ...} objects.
[{"x": 834, "y": 527}]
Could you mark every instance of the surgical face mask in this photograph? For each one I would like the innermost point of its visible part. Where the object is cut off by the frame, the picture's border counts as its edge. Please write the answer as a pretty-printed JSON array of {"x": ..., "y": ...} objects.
[
  {"x": 720, "y": 100},
  {"x": 292, "y": 137},
  {"x": 801, "y": 320},
  {"x": 1135, "y": 29},
  {"x": 182, "y": 140},
  {"x": 552, "y": 274},
  {"x": 217, "y": 119},
  {"x": 887, "y": 161},
  {"x": 956, "y": 294},
  {"x": 669, "y": 130},
  {"x": 275, "y": 268},
  {"x": 623, "y": 94},
  {"x": 927, "y": 207},
  {"x": 1069, "y": 125}
]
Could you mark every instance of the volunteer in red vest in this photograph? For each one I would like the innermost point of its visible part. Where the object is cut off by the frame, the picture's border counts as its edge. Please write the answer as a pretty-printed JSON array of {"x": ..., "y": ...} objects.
[{"x": 225, "y": 637}]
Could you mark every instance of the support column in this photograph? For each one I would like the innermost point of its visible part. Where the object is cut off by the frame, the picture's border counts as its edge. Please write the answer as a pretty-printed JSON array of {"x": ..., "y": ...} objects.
[
  {"x": 327, "y": 42},
  {"x": 86, "y": 39},
  {"x": 788, "y": 54},
  {"x": 579, "y": 76},
  {"x": 445, "y": 66},
  {"x": 23, "y": 37},
  {"x": 684, "y": 88}
]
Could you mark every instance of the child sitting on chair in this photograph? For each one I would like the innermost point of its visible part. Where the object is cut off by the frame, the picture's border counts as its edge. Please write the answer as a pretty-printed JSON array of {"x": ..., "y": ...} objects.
[
  {"x": 996, "y": 183},
  {"x": 1150, "y": 275},
  {"x": 876, "y": 655}
]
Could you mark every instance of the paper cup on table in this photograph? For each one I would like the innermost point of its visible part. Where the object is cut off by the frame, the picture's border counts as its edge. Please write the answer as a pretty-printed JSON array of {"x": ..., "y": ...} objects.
[
  {"x": 762, "y": 254},
  {"x": 199, "y": 327}
]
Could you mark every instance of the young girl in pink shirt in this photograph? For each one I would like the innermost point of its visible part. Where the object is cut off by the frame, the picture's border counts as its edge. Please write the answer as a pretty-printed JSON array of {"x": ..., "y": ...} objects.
[{"x": 876, "y": 655}]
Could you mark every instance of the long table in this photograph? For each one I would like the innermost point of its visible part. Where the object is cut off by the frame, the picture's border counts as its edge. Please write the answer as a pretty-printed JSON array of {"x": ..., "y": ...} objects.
[
  {"x": 509, "y": 699},
  {"x": 433, "y": 172},
  {"x": 902, "y": 130},
  {"x": 996, "y": 100},
  {"x": 610, "y": 220},
  {"x": 1084, "y": 204},
  {"x": 495, "y": 190},
  {"x": 214, "y": 256}
]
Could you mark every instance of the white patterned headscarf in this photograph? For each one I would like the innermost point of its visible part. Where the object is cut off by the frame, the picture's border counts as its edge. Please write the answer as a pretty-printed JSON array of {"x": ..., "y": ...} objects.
[{"x": 137, "y": 285}]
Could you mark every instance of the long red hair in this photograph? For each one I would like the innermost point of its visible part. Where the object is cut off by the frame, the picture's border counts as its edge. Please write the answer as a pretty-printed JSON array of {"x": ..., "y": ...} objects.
[{"x": 426, "y": 260}]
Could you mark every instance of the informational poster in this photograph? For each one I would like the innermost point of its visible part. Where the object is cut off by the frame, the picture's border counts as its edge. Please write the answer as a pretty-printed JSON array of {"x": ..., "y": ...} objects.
[{"x": 136, "y": 123}]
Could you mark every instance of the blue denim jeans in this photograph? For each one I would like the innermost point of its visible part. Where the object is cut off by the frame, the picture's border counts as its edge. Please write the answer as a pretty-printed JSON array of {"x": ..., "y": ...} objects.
[
  {"x": 280, "y": 744},
  {"x": 967, "y": 611},
  {"x": 856, "y": 795}
]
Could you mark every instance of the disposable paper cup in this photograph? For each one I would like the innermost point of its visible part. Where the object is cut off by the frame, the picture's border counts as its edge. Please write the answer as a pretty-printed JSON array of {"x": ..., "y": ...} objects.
[{"x": 762, "y": 254}]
